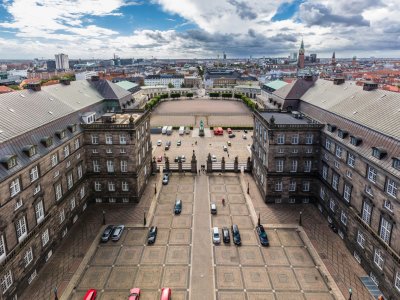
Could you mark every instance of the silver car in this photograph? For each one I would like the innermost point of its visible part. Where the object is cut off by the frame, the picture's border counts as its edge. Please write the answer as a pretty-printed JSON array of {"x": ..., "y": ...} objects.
[
  {"x": 215, "y": 235},
  {"x": 117, "y": 232}
]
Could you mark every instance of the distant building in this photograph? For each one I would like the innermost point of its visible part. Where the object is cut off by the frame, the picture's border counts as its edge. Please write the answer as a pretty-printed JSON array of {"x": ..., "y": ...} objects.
[
  {"x": 313, "y": 58},
  {"x": 164, "y": 79},
  {"x": 73, "y": 62},
  {"x": 85, "y": 75},
  {"x": 51, "y": 65},
  {"x": 333, "y": 60},
  {"x": 5, "y": 89},
  {"x": 300, "y": 61},
  {"x": 62, "y": 61}
]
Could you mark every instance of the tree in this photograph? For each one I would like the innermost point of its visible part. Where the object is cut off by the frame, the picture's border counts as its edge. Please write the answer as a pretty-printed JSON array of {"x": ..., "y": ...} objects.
[{"x": 170, "y": 85}]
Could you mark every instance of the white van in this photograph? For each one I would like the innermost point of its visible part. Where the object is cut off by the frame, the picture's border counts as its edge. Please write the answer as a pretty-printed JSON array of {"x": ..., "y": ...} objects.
[
  {"x": 181, "y": 130},
  {"x": 164, "y": 130},
  {"x": 215, "y": 235}
]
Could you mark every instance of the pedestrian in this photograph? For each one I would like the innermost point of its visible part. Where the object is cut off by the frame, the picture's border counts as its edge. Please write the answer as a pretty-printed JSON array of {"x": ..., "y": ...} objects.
[{"x": 228, "y": 154}]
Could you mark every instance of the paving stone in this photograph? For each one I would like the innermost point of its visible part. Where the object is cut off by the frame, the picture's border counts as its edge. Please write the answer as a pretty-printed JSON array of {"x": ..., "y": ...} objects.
[
  {"x": 274, "y": 256},
  {"x": 248, "y": 237},
  {"x": 260, "y": 296},
  {"x": 310, "y": 279},
  {"x": 178, "y": 255},
  {"x": 243, "y": 222},
  {"x": 153, "y": 255},
  {"x": 162, "y": 221},
  {"x": 289, "y": 238},
  {"x": 217, "y": 188},
  {"x": 282, "y": 278},
  {"x": 256, "y": 278},
  {"x": 94, "y": 278},
  {"x": 239, "y": 209},
  {"x": 105, "y": 255},
  {"x": 226, "y": 255},
  {"x": 121, "y": 277},
  {"x": 129, "y": 255},
  {"x": 236, "y": 198},
  {"x": 175, "y": 277},
  {"x": 239, "y": 295},
  {"x": 319, "y": 296},
  {"x": 182, "y": 221},
  {"x": 180, "y": 236},
  {"x": 162, "y": 236},
  {"x": 273, "y": 237},
  {"x": 148, "y": 277},
  {"x": 221, "y": 221},
  {"x": 233, "y": 189},
  {"x": 136, "y": 236},
  {"x": 228, "y": 278},
  {"x": 250, "y": 255},
  {"x": 299, "y": 256},
  {"x": 289, "y": 296},
  {"x": 185, "y": 197}
]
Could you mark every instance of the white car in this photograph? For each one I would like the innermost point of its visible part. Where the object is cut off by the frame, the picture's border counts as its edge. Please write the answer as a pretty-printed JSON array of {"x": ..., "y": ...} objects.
[
  {"x": 183, "y": 158},
  {"x": 213, "y": 158},
  {"x": 244, "y": 137},
  {"x": 159, "y": 142},
  {"x": 215, "y": 235},
  {"x": 225, "y": 148}
]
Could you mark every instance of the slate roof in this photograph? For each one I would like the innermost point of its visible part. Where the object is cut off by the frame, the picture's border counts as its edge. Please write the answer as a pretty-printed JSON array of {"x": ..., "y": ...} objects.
[
  {"x": 284, "y": 118},
  {"x": 276, "y": 84},
  {"x": 109, "y": 90},
  {"x": 126, "y": 85},
  {"x": 294, "y": 90}
]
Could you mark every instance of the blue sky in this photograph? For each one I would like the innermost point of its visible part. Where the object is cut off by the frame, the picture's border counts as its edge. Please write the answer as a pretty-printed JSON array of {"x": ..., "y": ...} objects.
[{"x": 198, "y": 28}]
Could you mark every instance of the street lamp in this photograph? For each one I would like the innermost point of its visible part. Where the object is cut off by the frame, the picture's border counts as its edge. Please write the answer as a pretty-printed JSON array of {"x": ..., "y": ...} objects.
[
  {"x": 248, "y": 188},
  {"x": 144, "y": 217},
  {"x": 104, "y": 217},
  {"x": 55, "y": 294},
  {"x": 300, "y": 222},
  {"x": 350, "y": 293},
  {"x": 155, "y": 188}
]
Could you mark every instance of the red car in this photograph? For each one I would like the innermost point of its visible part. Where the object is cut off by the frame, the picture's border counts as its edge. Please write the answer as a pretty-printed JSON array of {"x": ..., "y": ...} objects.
[
  {"x": 166, "y": 294},
  {"x": 90, "y": 295},
  {"x": 134, "y": 294},
  {"x": 159, "y": 159}
]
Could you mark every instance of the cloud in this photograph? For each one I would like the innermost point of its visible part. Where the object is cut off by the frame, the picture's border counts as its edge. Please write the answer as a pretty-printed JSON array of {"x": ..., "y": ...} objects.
[{"x": 243, "y": 10}]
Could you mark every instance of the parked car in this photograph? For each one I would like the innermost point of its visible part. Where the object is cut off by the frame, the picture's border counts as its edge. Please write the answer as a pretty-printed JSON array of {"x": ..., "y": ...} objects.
[
  {"x": 183, "y": 158},
  {"x": 151, "y": 237},
  {"x": 90, "y": 295},
  {"x": 229, "y": 143},
  {"x": 178, "y": 143},
  {"x": 262, "y": 235},
  {"x": 245, "y": 131},
  {"x": 117, "y": 232},
  {"x": 159, "y": 159},
  {"x": 213, "y": 158},
  {"x": 244, "y": 137},
  {"x": 236, "y": 235},
  {"x": 213, "y": 208},
  {"x": 107, "y": 233},
  {"x": 215, "y": 235},
  {"x": 134, "y": 294},
  {"x": 165, "y": 179},
  {"x": 166, "y": 147},
  {"x": 225, "y": 235},
  {"x": 232, "y": 135},
  {"x": 166, "y": 294},
  {"x": 159, "y": 142},
  {"x": 178, "y": 207},
  {"x": 225, "y": 148}
]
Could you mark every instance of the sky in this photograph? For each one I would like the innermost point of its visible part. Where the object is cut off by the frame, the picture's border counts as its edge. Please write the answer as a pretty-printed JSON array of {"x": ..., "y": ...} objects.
[{"x": 198, "y": 28}]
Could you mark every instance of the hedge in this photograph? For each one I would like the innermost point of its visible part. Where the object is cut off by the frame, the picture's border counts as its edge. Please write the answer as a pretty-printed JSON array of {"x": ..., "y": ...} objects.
[
  {"x": 189, "y": 95},
  {"x": 227, "y": 95},
  {"x": 175, "y": 95},
  {"x": 215, "y": 94}
]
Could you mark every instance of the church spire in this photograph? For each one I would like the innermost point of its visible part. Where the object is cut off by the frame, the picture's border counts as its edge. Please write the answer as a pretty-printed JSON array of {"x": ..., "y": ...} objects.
[{"x": 301, "y": 50}]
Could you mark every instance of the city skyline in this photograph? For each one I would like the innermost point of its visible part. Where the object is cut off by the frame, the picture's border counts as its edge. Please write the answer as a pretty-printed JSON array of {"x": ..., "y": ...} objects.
[{"x": 197, "y": 29}]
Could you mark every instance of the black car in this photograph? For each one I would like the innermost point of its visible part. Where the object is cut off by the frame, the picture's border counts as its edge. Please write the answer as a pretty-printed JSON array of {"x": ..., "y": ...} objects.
[
  {"x": 178, "y": 207},
  {"x": 262, "y": 235},
  {"x": 236, "y": 235},
  {"x": 225, "y": 235},
  {"x": 151, "y": 238},
  {"x": 107, "y": 233},
  {"x": 166, "y": 147},
  {"x": 245, "y": 131},
  {"x": 232, "y": 135}
]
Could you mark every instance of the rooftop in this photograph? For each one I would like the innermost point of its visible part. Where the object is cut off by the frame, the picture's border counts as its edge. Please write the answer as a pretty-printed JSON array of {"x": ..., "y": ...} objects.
[
  {"x": 284, "y": 118},
  {"x": 126, "y": 85}
]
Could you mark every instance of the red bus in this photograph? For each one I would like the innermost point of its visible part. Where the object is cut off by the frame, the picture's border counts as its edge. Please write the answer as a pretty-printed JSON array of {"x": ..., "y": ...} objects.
[{"x": 218, "y": 131}]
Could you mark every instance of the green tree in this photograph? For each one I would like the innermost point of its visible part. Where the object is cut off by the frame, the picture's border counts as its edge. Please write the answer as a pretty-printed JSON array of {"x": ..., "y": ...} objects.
[{"x": 170, "y": 85}]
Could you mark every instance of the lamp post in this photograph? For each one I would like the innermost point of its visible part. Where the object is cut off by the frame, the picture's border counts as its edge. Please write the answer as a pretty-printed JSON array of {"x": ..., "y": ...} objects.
[
  {"x": 104, "y": 217},
  {"x": 155, "y": 188},
  {"x": 300, "y": 221},
  {"x": 259, "y": 219},
  {"x": 350, "y": 293},
  {"x": 55, "y": 293},
  {"x": 248, "y": 188},
  {"x": 144, "y": 218}
]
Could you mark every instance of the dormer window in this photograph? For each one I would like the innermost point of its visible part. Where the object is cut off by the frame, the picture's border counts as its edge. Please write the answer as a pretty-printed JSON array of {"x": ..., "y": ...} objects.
[
  {"x": 60, "y": 134},
  {"x": 379, "y": 153},
  {"x": 331, "y": 128},
  {"x": 356, "y": 141},
  {"x": 72, "y": 127},
  {"x": 396, "y": 163},
  {"x": 9, "y": 161},
  {"x": 47, "y": 141},
  {"x": 30, "y": 150},
  {"x": 342, "y": 133}
]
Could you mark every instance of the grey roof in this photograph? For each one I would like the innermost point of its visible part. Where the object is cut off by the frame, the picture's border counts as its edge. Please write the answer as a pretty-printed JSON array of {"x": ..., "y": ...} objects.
[
  {"x": 284, "y": 118},
  {"x": 294, "y": 90},
  {"x": 109, "y": 90},
  {"x": 377, "y": 109}
]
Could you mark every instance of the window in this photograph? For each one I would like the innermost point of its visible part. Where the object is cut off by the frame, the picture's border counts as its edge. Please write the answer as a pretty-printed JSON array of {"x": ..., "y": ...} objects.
[
  {"x": 341, "y": 234},
  {"x": 278, "y": 186},
  {"x": 292, "y": 185},
  {"x": 15, "y": 187},
  {"x": 357, "y": 257},
  {"x": 28, "y": 257},
  {"x": 335, "y": 181},
  {"x": 124, "y": 166},
  {"x": 6, "y": 281},
  {"x": 279, "y": 165},
  {"x": 2, "y": 248},
  {"x": 68, "y": 164},
  {"x": 322, "y": 193},
  {"x": 70, "y": 181},
  {"x": 349, "y": 174},
  {"x": 122, "y": 139},
  {"x": 306, "y": 186},
  {"x": 125, "y": 200},
  {"x": 96, "y": 166},
  {"x": 111, "y": 186},
  {"x": 280, "y": 139},
  {"x": 122, "y": 150},
  {"x": 94, "y": 151},
  {"x": 295, "y": 139},
  {"x": 66, "y": 151},
  {"x": 307, "y": 166},
  {"x": 371, "y": 174},
  {"x": 339, "y": 151},
  {"x": 326, "y": 156},
  {"x": 385, "y": 230},
  {"x": 39, "y": 211},
  {"x": 336, "y": 164},
  {"x": 95, "y": 139},
  {"x": 281, "y": 150},
  {"x": 21, "y": 229},
  {"x": 54, "y": 160},
  {"x": 73, "y": 203},
  {"x": 110, "y": 166},
  {"x": 78, "y": 156},
  {"x": 396, "y": 163},
  {"x": 97, "y": 186},
  {"x": 56, "y": 174},
  {"x": 378, "y": 258},
  {"x": 391, "y": 187},
  {"x": 34, "y": 173},
  {"x": 397, "y": 281},
  {"x": 343, "y": 218},
  {"x": 309, "y": 150},
  {"x": 325, "y": 172},
  {"x": 62, "y": 216},
  {"x": 332, "y": 205},
  {"x": 82, "y": 192},
  {"x": 351, "y": 160},
  {"x": 347, "y": 192},
  {"x": 125, "y": 186},
  {"x": 45, "y": 237},
  {"x": 292, "y": 200},
  {"x": 109, "y": 139},
  {"x": 328, "y": 144},
  {"x": 342, "y": 133},
  {"x": 331, "y": 128},
  {"x": 293, "y": 166},
  {"x": 379, "y": 153},
  {"x": 79, "y": 170},
  {"x": 111, "y": 200},
  {"x": 355, "y": 140},
  {"x": 12, "y": 162},
  {"x": 361, "y": 239},
  {"x": 77, "y": 144},
  {"x": 388, "y": 205},
  {"x": 295, "y": 150},
  {"x": 108, "y": 150},
  {"x": 98, "y": 200},
  {"x": 32, "y": 151},
  {"x": 47, "y": 141},
  {"x": 366, "y": 212},
  {"x": 60, "y": 134},
  {"x": 309, "y": 138},
  {"x": 58, "y": 189}
]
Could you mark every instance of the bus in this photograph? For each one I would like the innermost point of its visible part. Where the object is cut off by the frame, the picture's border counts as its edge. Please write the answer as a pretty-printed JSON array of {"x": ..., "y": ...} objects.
[
  {"x": 181, "y": 130},
  {"x": 218, "y": 131},
  {"x": 169, "y": 130},
  {"x": 164, "y": 130}
]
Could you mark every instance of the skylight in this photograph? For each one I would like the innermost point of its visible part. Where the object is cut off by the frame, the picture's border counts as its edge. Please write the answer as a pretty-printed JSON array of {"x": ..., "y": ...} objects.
[
  {"x": 12, "y": 110},
  {"x": 50, "y": 112},
  {"x": 22, "y": 95}
]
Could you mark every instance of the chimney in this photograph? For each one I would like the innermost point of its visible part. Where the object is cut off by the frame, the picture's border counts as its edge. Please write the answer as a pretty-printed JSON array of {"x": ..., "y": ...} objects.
[
  {"x": 338, "y": 81},
  {"x": 34, "y": 86},
  {"x": 95, "y": 78},
  {"x": 369, "y": 86},
  {"x": 65, "y": 81}
]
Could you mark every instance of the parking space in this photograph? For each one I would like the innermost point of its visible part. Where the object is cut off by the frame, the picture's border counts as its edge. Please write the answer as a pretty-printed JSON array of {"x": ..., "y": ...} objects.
[
  {"x": 284, "y": 270},
  {"x": 119, "y": 266}
]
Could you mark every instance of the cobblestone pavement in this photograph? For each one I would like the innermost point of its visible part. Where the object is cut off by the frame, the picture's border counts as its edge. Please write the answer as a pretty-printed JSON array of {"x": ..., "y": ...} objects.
[
  {"x": 69, "y": 254},
  {"x": 340, "y": 263}
]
